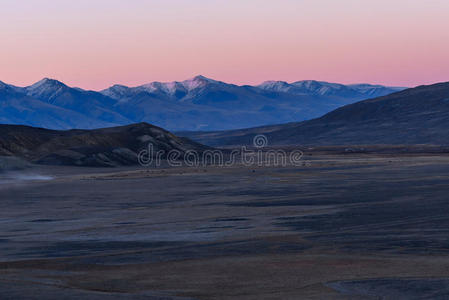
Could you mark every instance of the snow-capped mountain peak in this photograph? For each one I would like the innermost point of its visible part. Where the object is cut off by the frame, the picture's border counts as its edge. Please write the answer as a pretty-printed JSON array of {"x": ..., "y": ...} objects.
[
  {"x": 197, "y": 82},
  {"x": 176, "y": 88},
  {"x": 47, "y": 82},
  {"x": 116, "y": 91},
  {"x": 273, "y": 85},
  {"x": 314, "y": 84},
  {"x": 167, "y": 88},
  {"x": 46, "y": 88}
]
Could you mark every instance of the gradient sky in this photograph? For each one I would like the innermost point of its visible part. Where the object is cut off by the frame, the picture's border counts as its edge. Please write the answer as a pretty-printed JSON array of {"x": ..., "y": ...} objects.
[{"x": 96, "y": 43}]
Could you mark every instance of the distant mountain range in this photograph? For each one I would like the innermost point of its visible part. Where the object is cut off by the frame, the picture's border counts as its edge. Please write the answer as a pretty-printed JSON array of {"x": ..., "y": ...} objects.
[
  {"x": 417, "y": 116},
  {"x": 196, "y": 104},
  {"x": 414, "y": 116}
]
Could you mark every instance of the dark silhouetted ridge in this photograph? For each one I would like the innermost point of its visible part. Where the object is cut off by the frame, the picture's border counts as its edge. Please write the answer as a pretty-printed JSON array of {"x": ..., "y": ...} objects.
[{"x": 99, "y": 147}]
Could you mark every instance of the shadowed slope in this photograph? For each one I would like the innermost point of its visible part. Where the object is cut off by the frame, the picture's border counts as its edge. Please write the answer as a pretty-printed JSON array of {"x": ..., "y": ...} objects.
[
  {"x": 413, "y": 116},
  {"x": 99, "y": 147}
]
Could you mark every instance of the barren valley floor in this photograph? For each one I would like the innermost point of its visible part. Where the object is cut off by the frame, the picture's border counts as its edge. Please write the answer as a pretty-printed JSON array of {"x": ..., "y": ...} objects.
[{"x": 352, "y": 226}]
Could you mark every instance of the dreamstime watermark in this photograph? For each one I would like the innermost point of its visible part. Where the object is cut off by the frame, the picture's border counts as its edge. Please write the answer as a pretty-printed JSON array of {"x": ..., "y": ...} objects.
[{"x": 258, "y": 155}]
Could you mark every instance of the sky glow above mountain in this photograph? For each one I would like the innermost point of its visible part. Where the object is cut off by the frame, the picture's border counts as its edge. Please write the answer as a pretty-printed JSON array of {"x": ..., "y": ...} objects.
[{"x": 94, "y": 44}]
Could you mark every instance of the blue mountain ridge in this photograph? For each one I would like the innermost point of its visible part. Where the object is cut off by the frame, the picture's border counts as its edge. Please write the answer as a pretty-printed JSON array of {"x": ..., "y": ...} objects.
[{"x": 199, "y": 103}]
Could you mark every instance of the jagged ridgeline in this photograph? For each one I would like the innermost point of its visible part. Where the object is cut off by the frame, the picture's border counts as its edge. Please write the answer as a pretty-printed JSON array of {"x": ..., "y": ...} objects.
[
  {"x": 413, "y": 116},
  {"x": 199, "y": 103}
]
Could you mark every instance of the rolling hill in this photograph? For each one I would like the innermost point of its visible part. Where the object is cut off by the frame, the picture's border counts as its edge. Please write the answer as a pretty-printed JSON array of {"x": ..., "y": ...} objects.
[
  {"x": 99, "y": 147},
  {"x": 414, "y": 116}
]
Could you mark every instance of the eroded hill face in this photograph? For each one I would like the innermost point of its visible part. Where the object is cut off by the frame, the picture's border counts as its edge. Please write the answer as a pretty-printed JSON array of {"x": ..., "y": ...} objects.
[
  {"x": 101, "y": 147},
  {"x": 413, "y": 116}
]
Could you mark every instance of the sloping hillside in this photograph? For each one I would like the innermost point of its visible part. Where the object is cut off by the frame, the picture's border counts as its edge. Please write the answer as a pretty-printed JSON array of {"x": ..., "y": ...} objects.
[
  {"x": 100, "y": 147},
  {"x": 413, "y": 116}
]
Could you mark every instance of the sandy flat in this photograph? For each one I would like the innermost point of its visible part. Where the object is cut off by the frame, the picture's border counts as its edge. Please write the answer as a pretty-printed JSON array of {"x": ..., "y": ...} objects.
[{"x": 338, "y": 227}]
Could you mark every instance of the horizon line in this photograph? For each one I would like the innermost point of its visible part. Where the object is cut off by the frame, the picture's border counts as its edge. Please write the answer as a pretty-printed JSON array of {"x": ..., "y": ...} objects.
[{"x": 212, "y": 79}]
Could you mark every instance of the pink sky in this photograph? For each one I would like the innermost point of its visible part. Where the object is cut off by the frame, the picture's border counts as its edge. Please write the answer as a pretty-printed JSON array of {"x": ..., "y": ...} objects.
[{"x": 94, "y": 44}]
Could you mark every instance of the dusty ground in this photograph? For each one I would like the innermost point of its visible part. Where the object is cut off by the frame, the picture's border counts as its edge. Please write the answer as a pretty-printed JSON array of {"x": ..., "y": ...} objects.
[{"x": 353, "y": 226}]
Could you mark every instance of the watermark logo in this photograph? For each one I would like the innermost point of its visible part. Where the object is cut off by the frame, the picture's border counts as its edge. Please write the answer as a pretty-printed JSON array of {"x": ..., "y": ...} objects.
[
  {"x": 260, "y": 141},
  {"x": 257, "y": 155}
]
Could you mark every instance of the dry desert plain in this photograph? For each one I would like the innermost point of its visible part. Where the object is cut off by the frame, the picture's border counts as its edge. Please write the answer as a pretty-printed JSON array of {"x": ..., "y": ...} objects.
[{"x": 340, "y": 226}]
